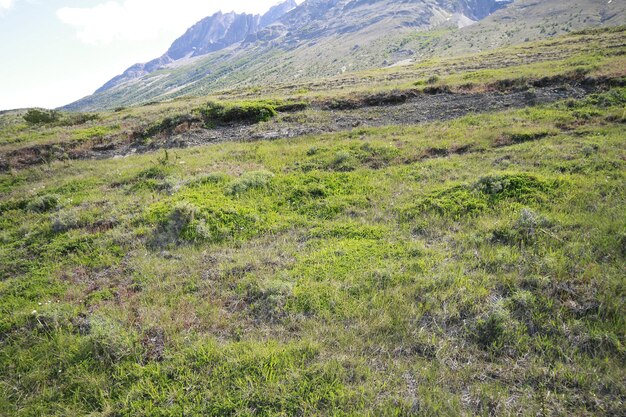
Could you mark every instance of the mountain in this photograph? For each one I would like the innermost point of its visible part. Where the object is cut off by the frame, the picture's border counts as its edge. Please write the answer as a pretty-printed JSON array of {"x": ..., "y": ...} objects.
[
  {"x": 214, "y": 33},
  {"x": 277, "y": 12},
  {"x": 321, "y": 38},
  {"x": 208, "y": 35}
]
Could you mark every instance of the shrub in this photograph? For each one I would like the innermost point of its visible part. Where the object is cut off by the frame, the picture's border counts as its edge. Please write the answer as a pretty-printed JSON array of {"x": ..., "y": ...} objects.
[
  {"x": 267, "y": 300},
  {"x": 508, "y": 139},
  {"x": 490, "y": 331},
  {"x": 166, "y": 126},
  {"x": 66, "y": 220},
  {"x": 291, "y": 107},
  {"x": 95, "y": 132},
  {"x": 50, "y": 318},
  {"x": 182, "y": 215},
  {"x": 74, "y": 119},
  {"x": 461, "y": 200},
  {"x": 528, "y": 224},
  {"x": 452, "y": 202},
  {"x": 517, "y": 186},
  {"x": 43, "y": 203},
  {"x": 191, "y": 223},
  {"x": 36, "y": 116},
  {"x": 250, "y": 112},
  {"x": 156, "y": 172}
]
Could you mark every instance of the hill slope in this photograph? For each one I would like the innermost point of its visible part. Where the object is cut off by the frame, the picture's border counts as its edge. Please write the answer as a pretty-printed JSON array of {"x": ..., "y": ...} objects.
[
  {"x": 326, "y": 38},
  {"x": 450, "y": 246}
]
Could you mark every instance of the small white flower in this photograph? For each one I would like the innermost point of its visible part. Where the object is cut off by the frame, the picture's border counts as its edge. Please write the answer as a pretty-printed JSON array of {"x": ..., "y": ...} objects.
[{"x": 34, "y": 312}]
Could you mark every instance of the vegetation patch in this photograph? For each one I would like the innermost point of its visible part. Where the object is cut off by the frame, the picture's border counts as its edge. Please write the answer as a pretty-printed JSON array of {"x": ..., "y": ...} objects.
[
  {"x": 462, "y": 200},
  {"x": 36, "y": 116},
  {"x": 212, "y": 222},
  {"x": 96, "y": 132},
  {"x": 43, "y": 203},
  {"x": 53, "y": 117},
  {"x": 525, "y": 230},
  {"x": 249, "y": 112},
  {"x": 253, "y": 180},
  {"x": 167, "y": 126},
  {"x": 514, "y": 138}
]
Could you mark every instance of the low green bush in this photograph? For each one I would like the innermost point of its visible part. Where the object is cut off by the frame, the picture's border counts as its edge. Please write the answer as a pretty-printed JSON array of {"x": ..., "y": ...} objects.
[
  {"x": 43, "y": 203},
  {"x": 206, "y": 178},
  {"x": 75, "y": 119},
  {"x": 201, "y": 222},
  {"x": 249, "y": 112},
  {"x": 36, "y": 116},
  {"x": 462, "y": 200},
  {"x": 53, "y": 117},
  {"x": 167, "y": 125}
]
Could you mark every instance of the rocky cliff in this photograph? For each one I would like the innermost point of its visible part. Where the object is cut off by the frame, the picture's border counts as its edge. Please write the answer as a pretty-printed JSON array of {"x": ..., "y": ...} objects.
[{"x": 210, "y": 34}]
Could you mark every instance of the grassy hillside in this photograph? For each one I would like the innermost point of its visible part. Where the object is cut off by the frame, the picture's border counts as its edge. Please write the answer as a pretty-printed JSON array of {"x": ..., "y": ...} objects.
[{"x": 469, "y": 266}]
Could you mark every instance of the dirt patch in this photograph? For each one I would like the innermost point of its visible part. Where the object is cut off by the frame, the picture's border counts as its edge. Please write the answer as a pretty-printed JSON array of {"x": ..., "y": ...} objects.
[
  {"x": 509, "y": 139},
  {"x": 153, "y": 342}
]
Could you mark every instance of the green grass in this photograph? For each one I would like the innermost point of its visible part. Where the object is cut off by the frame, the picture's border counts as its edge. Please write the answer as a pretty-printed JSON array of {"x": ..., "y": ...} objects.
[{"x": 375, "y": 272}]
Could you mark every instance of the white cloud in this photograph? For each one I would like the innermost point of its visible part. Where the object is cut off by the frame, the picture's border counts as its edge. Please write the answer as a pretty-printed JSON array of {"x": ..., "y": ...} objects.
[
  {"x": 139, "y": 20},
  {"x": 6, "y": 5}
]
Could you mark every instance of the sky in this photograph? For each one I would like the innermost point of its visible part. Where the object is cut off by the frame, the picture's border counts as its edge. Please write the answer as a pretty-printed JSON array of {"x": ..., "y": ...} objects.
[{"x": 53, "y": 52}]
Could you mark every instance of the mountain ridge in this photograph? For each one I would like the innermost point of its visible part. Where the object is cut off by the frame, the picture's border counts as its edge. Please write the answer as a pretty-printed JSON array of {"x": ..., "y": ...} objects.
[
  {"x": 321, "y": 38},
  {"x": 210, "y": 34}
]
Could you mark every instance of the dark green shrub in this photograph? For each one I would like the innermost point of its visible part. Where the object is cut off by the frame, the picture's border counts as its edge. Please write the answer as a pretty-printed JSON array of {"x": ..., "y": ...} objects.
[
  {"x": 191, "y": 223},
  {"x": 291, "y": 107},
  {"x": 207, "y": 178},
  {"x": 453, "y": 202},
  {"x": 75, "y": 119},
  {"x": 111, "y": 343},
  {"x": 343, "y": 161},
  {"x": 266, "y": 300},
  {"x": 179, "y": 224},
  {"x": 167, "y": 126},
  {"x": 249, "y": 112},
  {"x": 154, "y": 172},
  {"x": 66, "y": 220},
  {"x": 36, "y": 116}
]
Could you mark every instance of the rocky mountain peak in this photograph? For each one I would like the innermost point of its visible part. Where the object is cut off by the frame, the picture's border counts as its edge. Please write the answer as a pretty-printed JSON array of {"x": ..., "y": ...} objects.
[
  {"x": 210, "y": 34},
  {"x": 277, "y": 12},
  {"x": 213, "y": 33}
]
